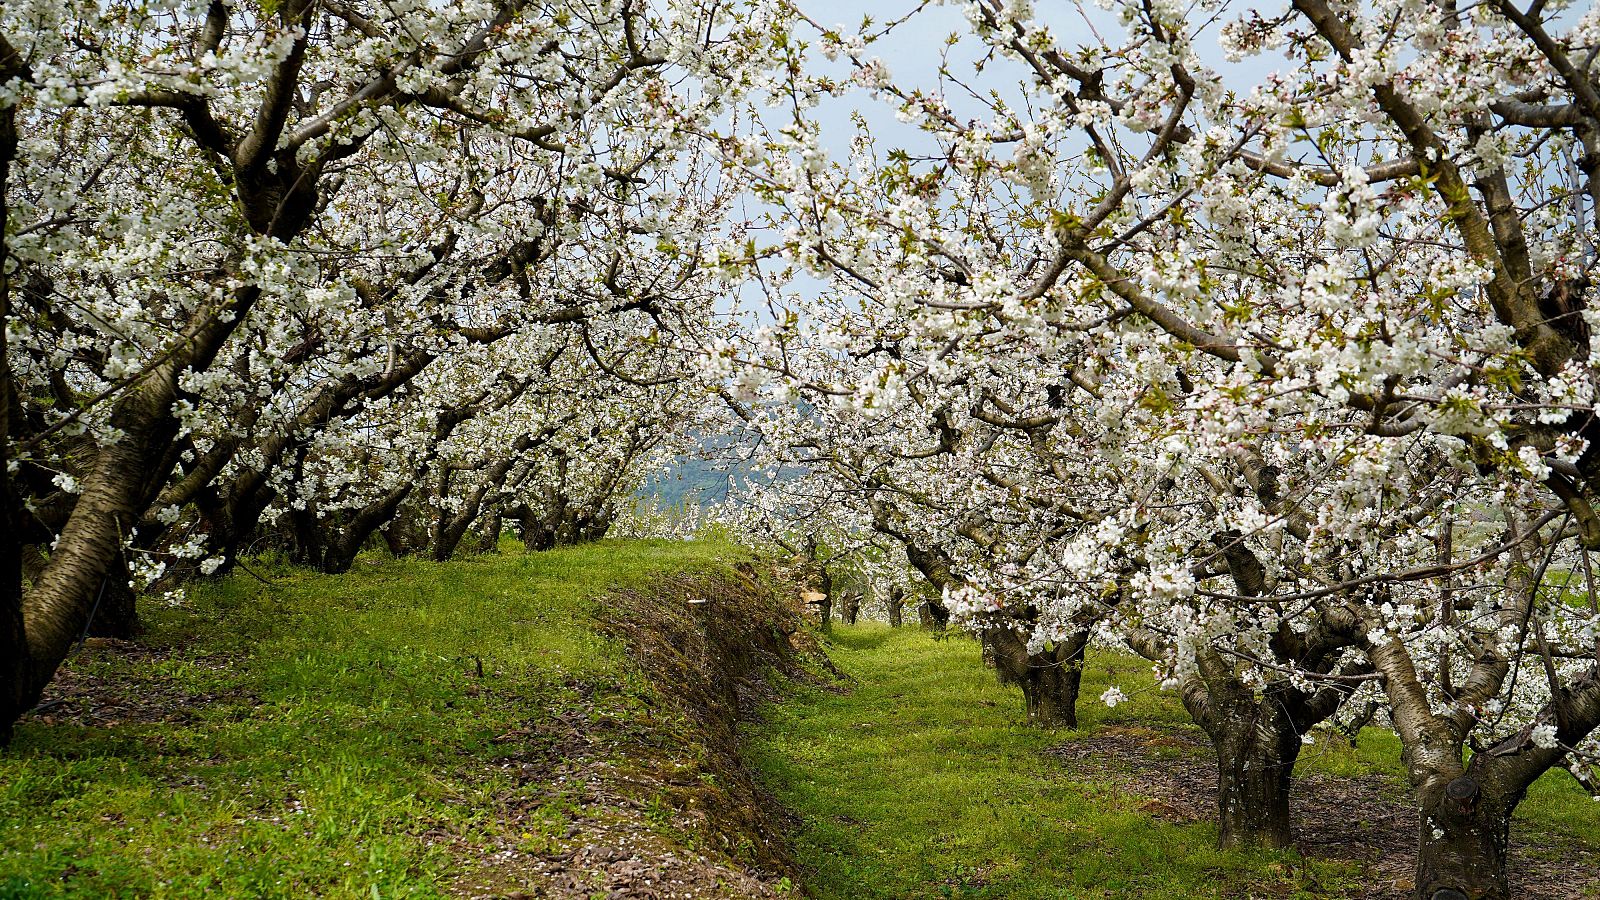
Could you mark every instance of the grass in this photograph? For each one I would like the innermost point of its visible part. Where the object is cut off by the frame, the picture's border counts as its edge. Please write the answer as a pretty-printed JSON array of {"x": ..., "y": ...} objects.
[
  {"x": 327, "y": 736},
  {"x": 923, "y": 782},
  {"x": 360, "y": 736}
]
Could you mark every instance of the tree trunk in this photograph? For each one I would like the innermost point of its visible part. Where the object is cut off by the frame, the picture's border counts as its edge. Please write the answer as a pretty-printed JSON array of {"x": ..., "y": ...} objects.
[
  {"x": 57, "y": 606},
  {"x": 307, "y": 542},
  {"x": 932, "y": 615},
  {"x": 406, "y": 533},
  {"x": 1255, "y": 771},
  {"x": 489, "y": 537},
  {"x": 1257, "y": 739},
  {"x": 15, "y": 662},
  {"x": 116, "y": 612},
  {"x": 850, "y": 608},
  {"x": 897, "y": 605},
  {"x": 1461, "y": 853},
  {"x": 1060, "y": 675},
  {"x": 393, "y": 540},
  {"x": 825, "y": 605},
  {"x": 1049, "y": 680}
]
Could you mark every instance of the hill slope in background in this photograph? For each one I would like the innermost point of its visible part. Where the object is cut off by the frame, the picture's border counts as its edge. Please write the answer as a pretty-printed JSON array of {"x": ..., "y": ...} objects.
[{"x": 555, "y": 725}]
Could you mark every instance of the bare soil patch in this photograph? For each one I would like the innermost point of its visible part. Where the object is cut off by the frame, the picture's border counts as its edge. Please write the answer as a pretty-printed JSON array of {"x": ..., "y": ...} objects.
[{"x": 134, "y": 693}]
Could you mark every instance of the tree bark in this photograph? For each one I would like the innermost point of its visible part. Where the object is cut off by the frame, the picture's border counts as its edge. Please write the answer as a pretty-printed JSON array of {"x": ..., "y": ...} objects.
[
  {"x": 116, "y": 612},
  {"x": 1255, "y": 772},
  {"x": 1049, "y": 680},
  {"x": 15, "y": 659},
  {"x": 825, "y": 605},
  {"x": 1060, "y": 679},
  {"x": 850, "y": 607},
  {"x": 1462, "y": 845},
  {"x": 1256, "y": 734},
  {"x": 340, "y": 552},
  {"x": 489, "y": 535},
  {"x": 897, "y": 605}
]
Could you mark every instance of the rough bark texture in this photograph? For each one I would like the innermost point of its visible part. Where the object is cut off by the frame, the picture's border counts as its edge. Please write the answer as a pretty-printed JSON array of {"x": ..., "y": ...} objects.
[
  {"x": 489, "y": 533},
  {"x": 339, "y": 551},
  {"x": 116, "y": 611},
  {"x": 1467, "y": 856},
  {"x": 1256, "y": 733},
  {"x": 1465, "y": 810},
  {"x": 58, "y": 605},
  {"x": 897, "y": 605},
  {"x": 1256, "y": 752}
]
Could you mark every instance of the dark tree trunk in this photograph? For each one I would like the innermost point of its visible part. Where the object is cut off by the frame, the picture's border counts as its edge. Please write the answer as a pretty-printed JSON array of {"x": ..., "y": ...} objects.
[
  {"x": 116, "y": 613},
  {"x": 15, "y": 664},
  {"x": 489, "y": 535},
  {"x": 340, "y": 553},
  {"x": 536, "y": 535},
  {"x": 1257, "y": 741},
  {"x": 15, "y": 661},
  {"x": 932, "y": 615},
  {"x": 1467, "y": 858},
  {"x": 897, "y": 605},
  {"x": 1060, "y": 676},
  {"x": 406, "y": 534},
  {"x": 232, "y": 521},
  {"x": 306, "y": 538},
  {"x": 1049, "y": 680},
  {"x": 1255, "y": 771},
  {"x": 825, "y": 605},
  {"x": 393, "y": 539},
  {"x": 448, "y": 539},
  {"x": 850, "y": 608},
  {"x": 592, "y": 525}
]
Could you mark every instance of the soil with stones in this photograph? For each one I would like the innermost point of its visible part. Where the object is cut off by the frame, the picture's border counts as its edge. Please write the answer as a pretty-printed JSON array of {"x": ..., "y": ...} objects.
[{"x": 1367, "y": 819}]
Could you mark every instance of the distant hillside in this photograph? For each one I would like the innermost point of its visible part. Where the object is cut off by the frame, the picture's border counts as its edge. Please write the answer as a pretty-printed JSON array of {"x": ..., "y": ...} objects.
[{"x": 690, "y": 480}]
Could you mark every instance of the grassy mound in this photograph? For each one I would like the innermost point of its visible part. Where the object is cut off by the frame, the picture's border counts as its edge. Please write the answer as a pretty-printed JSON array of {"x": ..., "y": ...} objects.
[
  {"x": 922, "y": 781},
  {"x": 411, "y": 729}
]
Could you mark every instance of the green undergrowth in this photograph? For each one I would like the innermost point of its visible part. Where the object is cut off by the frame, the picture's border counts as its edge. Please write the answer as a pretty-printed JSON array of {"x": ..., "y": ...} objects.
[
  {"x": 310, "y": 735},
  {"x": 923, "y": 781}
]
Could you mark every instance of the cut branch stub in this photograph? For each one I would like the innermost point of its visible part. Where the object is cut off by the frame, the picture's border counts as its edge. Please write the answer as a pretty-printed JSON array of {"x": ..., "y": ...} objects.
[{"x": 1462, "y": 791}]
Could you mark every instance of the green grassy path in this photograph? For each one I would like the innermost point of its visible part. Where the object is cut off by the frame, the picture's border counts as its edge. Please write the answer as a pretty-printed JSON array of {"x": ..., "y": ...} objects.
[{"x": 922, "y": 781}]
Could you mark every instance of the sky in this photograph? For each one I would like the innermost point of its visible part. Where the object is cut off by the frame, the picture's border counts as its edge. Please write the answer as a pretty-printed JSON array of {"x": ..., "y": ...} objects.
[{"x": 912, "y": 49}]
